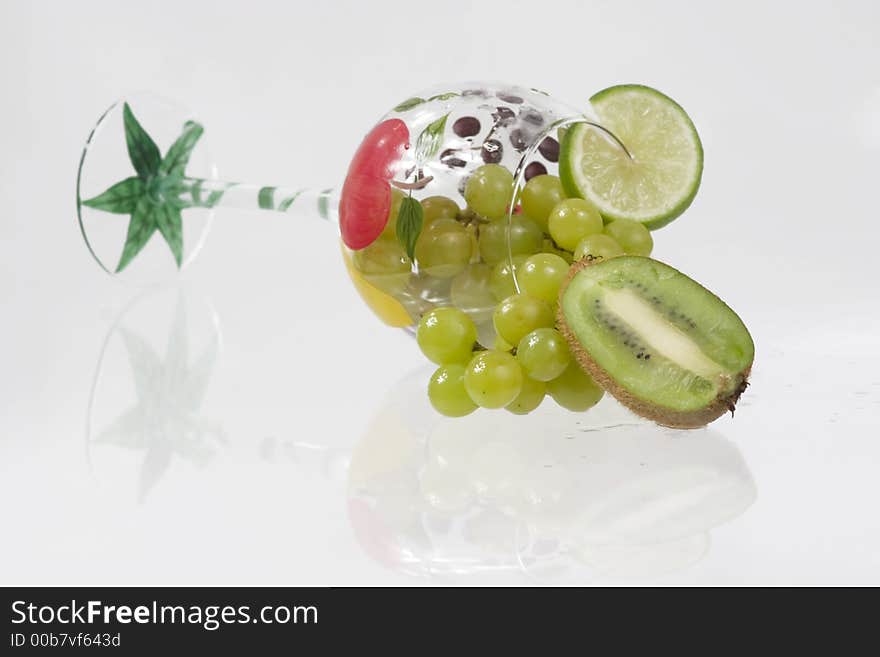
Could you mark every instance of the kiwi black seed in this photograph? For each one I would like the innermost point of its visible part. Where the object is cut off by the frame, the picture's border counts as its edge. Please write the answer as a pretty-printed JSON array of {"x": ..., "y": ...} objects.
[{"x": 658, "y": 341}]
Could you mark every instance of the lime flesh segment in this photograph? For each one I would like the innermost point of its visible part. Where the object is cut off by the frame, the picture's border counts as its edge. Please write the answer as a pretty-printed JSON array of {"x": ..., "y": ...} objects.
[{"x": 659, "y": 178}]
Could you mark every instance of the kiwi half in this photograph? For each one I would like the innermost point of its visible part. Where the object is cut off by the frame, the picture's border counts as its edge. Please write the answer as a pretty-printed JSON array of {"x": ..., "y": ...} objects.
[{"x": 658, "y": 341}]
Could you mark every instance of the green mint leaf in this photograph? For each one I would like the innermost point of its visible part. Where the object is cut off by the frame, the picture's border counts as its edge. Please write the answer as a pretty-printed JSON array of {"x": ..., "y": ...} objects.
[
  {"x": 408, "y": 104},
  {"x": 431, "y": 138},
  {"x": 175, "y": 160},
  {"x": 286, "y": 203},
  {"x": 409, "y": 224},
  {"x": 121, "y": 198},
  {"x": 446, "y": 96},
  {"x": 169, "y": 222},
  {"x": 141, "y": 227},
  {"x": 142, "y": 150},
  {"x": 265, "y": 198}
]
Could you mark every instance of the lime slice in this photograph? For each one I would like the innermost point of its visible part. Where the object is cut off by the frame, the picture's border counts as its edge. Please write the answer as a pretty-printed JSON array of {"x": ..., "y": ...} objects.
[{"x": 658, "y": 178}]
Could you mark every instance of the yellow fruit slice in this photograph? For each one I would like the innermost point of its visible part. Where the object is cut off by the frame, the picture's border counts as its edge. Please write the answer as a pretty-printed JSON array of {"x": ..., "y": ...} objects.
[{"x": 383, "y": 305}]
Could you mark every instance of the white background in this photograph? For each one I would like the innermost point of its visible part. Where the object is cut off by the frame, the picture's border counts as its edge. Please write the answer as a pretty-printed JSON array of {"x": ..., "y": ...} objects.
[{"x": 786, "y": 97}]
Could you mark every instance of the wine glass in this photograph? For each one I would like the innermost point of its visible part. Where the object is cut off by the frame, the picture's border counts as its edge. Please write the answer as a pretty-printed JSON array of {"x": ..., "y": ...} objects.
[{"x": 436, "y": 172}]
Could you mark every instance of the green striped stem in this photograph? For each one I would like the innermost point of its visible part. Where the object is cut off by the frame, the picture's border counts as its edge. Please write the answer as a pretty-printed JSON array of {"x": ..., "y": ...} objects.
[{"x": 202, "y": 193}]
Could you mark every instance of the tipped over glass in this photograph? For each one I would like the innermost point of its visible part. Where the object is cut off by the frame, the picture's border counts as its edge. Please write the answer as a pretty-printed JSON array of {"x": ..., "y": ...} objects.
[{"x": 429, "y": 212}]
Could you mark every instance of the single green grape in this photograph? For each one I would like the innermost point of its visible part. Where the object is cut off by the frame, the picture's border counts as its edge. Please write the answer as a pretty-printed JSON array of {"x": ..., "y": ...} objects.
[
  {"x": 525, "y": 238},
  {"x": 540, "y": 196},
  {"x": 471, "y": 292},
  {"x": 543, "y": 354},
  {"x": 632, "y": 236},
  {"x": 572, "y": 220},
  {"x": 438, "y": 207},
  {"x": 529, "y": 398},
  {"x": 541, "y": 276},
  {"x": 501, "y": 281},
  {"x": 390, "y": 229},
  {"x": 385, "y": 264},
  {"x": 446, "y": 391},
  {"x": 520, "y": 314},
  {"x": 493, "y": 379},
  {"x": 574, "y": 389},
  {"x": 488, "y": 190},
  {"x": 446, "y": 335},
  {"x": 444, "y": 248},
  {"x": 597, "y": 246}
]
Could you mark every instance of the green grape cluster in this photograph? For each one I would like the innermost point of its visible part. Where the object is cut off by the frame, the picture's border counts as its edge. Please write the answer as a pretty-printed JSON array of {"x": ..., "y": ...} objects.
[
  {"x": 496, "y": 344},
  {"x": 470, "y": 377}
]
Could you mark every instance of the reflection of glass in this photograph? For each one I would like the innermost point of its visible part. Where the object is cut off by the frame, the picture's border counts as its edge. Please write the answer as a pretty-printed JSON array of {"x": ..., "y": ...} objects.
[
  {"x": 405, "y": 253},
  {"x": 151, "y": 379},
  {"x": 551, "y": 495}
]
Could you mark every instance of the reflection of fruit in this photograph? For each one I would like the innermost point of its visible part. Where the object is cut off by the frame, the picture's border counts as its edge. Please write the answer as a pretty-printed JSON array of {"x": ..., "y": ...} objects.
[
  {"x": 383, "y": 305},
  {"x": 365, "y": 200},
  {"x": 386, "y": 449},
  {"x": 445, "y": 491},
  {"x": 658, "y": 341},
  {"x": 480, "y": 496}
]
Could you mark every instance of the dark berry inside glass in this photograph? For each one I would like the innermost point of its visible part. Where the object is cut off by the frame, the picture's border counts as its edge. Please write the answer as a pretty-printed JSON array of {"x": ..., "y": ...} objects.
[
  {"x": 466, "y": 126},
  {"x": 549, "y": 148}
]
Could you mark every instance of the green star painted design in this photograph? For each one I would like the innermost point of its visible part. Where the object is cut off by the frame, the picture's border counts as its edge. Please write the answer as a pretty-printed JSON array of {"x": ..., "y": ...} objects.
[{"x": 152, "y": 197}]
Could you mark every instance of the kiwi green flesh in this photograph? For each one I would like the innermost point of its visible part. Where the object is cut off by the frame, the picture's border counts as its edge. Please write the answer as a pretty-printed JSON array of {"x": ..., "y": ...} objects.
[{"x": 661, "y": 342}]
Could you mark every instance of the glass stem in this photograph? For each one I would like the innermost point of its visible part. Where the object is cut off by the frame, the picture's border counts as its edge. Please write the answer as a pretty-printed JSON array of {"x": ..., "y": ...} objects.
[{"x": 205, "y": 193}]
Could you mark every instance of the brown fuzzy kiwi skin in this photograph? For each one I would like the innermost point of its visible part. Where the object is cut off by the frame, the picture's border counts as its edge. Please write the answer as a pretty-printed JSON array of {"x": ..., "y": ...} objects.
[{"x": 662, "y": 416}]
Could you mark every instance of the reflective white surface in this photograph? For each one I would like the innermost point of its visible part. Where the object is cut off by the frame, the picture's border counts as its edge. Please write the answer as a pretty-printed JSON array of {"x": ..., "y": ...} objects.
[{"x": 255, "y": 424}]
